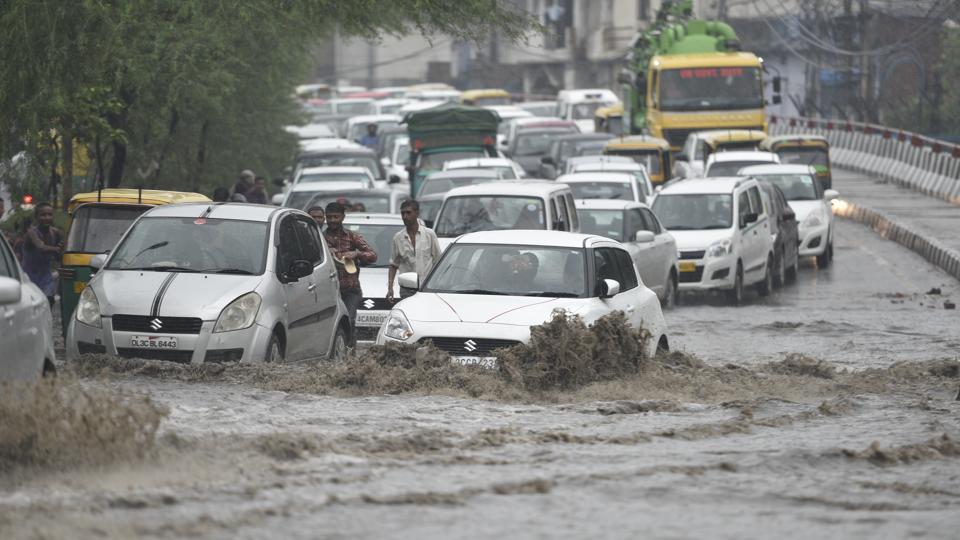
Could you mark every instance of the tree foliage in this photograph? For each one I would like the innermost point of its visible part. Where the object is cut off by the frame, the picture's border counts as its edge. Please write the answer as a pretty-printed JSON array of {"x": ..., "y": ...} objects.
[{"x": 182, "y": 94}]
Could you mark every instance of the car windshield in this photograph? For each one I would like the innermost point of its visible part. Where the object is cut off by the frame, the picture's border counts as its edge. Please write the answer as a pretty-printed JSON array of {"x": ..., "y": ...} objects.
[
  {"x": 428, "y": 211},
  {"x": 354, "y": 202},
  {"x": 432, "y": 186},
  {"x": 795, "y": 187},
  {"x": 649, "y": 159},
  {"x": 193, "y": 245},
  {"x": 694, "y": 212},
  {"x": 730, "y": 168},
  {"x": 97, "y": 229},
  {"x": 333, "y": 177},
  {"x": 342, "y": 160},
  {"x": 586, "y": 111},
  {"x": 355, "y": 109},
  {"x": 602, "y": 190},
  {"x": 607, "y": 223},
  {"x": 535, "y": 143},
  {"x": 710, "y": 88},
  {"x": 380, "y": 238},
  {"x": 816, "y": 157},
  {"x": 510, "y": 271},
  {"x": 461, "y": 215},
  {"x": 359, "y": 130},
  {"x": 435, "y": 160}
]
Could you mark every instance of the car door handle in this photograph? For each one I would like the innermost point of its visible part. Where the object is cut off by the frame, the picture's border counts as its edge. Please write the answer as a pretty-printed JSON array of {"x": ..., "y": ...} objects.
[{"x": 311, "y": 287}]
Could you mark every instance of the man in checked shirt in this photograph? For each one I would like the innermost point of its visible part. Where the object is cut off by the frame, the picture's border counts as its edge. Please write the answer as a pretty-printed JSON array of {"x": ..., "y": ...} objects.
[{"x": 349, "y": 250}]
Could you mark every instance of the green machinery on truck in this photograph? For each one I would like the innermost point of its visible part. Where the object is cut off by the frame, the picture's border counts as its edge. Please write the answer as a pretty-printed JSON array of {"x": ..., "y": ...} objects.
[{"x": 685, "y": 75}]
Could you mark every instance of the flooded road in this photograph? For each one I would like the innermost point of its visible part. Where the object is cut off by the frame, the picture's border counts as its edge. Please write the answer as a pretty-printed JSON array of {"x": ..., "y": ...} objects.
[{"x": 750, "y": 443}]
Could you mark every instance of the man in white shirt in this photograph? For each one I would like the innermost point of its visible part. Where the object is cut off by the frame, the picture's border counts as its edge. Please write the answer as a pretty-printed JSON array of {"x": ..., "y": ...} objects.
[{"x": 415, "y": 249}]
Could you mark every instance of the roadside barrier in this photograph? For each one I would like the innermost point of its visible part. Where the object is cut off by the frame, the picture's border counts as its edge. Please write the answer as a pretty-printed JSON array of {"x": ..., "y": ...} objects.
[{"x": 927, "y": 165}]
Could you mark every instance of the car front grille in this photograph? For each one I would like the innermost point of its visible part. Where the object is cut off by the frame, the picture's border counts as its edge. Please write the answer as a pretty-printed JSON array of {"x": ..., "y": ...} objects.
[
  {"x": 692, "y": 277},
  {"x": 157, "y": 325},
  {"x": 468, "y": 346},
  {"x": 686, "y": 255},
  {"x": 181, "y": 357}
]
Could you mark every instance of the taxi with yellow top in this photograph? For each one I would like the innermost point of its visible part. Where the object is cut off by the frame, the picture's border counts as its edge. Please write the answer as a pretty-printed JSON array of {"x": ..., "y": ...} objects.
[
  {"x": 485, "y": 97},
  {"x": 651, "y": 152},
  {"x": 811, "y": 150}
]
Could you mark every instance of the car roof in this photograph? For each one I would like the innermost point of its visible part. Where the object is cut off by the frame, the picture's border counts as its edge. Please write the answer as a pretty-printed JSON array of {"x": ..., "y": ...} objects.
[
  {"x": 326, "y": 143},
  {"x": 342, "y": 185},
  {"x": 464, "y": 173},
  {"x": 777, "y": 169},
  {"x": 238, "y": 211},
  {"x": 510, "y": 187},
  {"x": 794, "y": 140},
  {"x": 582, "y": 94},
  {"x": 542, "y": 121},
  {"x": 608, "y": 204},
  {"x": 583, "y": 137},
  {"x": 720, "y": 136},
  {"x": 638, "y": 141},
  {"x": 528, "y": 238},
  {"x": 599, "y": 159},
  {"x": 598, "y": 176},
  {"x": 373, "y": 118},
  {"x": 354, "y": 149},
  {"x": 350, "y": 100},
  {"x": 606, "y": 166},
  {"x": 726, "y": 59},
  {"x": 741, "y": 155},
  {"x": 373, "y": 218},
  {"x": 692, "y": 186},
  {"x": 477, "y": 163},
  {"x": 335, "y": 170},
  {"x": 136, "y": 196}
]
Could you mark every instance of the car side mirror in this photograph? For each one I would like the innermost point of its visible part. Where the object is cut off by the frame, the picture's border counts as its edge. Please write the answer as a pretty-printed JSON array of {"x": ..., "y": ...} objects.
[
  {"x": 299, "y": 269},
  {"x": 10, "y": 290},
  {"x": 394, "y": 179},
  {"x": 98, "y": 261},
  {"x": 609, "y": 288},
  {"x": 277, "y": 199},
  {"x": 644, "y": 237},
  {"x": 831, "y": 194},
  {"x": 409, "y": 280},
  {"x": 746, "y": 219}
]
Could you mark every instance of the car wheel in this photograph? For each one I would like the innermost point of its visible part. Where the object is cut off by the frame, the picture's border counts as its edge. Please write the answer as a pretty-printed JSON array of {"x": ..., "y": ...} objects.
[
  {"x": 735, "y": 295},
  {"x": 671, "y": 294},
  {"x": 274, "y": 349},
  {"x": 780, "y": 271},
  {"x": 764, "y": 287},
  {"x": 340, "y": 348},
  {"x": 791, "y": 273},
  {"x": 823, "y": 260}
]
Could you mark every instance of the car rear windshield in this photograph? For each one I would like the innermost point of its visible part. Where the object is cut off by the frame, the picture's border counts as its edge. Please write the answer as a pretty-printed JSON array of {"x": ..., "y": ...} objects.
[
  {"x": 342, "y": 160},
  {"x": 649, "y": 159},
  {"x": 607, "y": 223},
  {"x": 510, "y": 271},
  {"x": 804, "y": 156},
  {"x": 461, "y": 215},
  {"x": 354, "y": 202},
  {"x": 432, "y": 186},
  {"x": 730, "y": 168},
  {"x": 193, "y": 245},
  {"x": 96, "y": 229},
  {"x": 694, "y": 212},
  {"x": 796, "y": 187},
  {"x": 536, "y": 143},
  {"x": 380, "y": 238},
  {"x": 333, "y": 177},
  {"x": 622, "y": 191}
]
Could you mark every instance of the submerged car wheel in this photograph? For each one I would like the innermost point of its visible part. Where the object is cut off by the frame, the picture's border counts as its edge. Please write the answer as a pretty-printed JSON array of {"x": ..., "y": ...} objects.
[
  {"x": 735, "y": 295},
  {"x": 824, "y": 259},
  {"x": 670, "y": 296},
  {"x": 794, "y": 269},
  {"x": 340, "y": 349},
  {"x": 764, "y": 287},
  {"x": 274, "y": 350},
  {"x": 780, "y": 271}
]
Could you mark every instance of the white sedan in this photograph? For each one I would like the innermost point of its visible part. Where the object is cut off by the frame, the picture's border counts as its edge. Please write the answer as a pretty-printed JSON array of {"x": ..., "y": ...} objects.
[
  {"x": 490, "y": 287},
  {"x": 653, "y": 249},
  {"x": 26, "y": 325}
]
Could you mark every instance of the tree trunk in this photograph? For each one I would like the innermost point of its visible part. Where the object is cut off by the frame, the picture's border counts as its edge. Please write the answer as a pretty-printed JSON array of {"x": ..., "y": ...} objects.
[
  {"x": 201, "y": 155},
  {"x": 67, "y": 142},
  {"x": 117, "y": 165}
]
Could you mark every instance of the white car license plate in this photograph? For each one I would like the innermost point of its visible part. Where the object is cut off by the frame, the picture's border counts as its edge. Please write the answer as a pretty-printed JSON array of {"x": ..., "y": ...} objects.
[
  {"x": 489, "y": 362},
  {"x": 371, "y": 319},
  {"x": 154, "y": 342}
]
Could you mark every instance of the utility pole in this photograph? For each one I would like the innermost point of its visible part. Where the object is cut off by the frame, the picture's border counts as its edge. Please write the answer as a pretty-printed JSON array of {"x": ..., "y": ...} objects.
[{"x": 866, "y": 88}]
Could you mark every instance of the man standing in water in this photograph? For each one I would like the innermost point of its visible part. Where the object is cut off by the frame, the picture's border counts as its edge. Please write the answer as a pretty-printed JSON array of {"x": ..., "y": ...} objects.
[
  {"x": 349, "y": 249},
  {"x": 415, "y": 249},
  {"x": 43, "y": 245}
]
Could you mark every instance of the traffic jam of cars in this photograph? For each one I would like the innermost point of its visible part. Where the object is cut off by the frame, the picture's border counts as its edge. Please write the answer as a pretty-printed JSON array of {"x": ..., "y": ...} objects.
[{"x": 428, "y": 215}]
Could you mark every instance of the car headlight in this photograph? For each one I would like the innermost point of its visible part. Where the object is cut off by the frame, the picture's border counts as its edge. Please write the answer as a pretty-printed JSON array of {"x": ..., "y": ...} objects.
[
  {"x": 719, "y": 249},
  {"x": 88, "y": 309},
  {"x": 397, "y": 326},
  {"x": 814, "y": 219},
  {"x": 239, "y": 314}
]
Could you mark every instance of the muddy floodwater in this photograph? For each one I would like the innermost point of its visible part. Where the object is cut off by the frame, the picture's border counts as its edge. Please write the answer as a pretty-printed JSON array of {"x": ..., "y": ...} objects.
[{"x": 826, "y": 410}]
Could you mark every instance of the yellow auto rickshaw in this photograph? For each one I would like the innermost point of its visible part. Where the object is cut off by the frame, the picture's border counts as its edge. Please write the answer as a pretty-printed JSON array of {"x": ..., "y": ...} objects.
[
  {"x": 609, "y": 119},
  {"x": 812, "y": 150},
  {"x": 651, "y": 152},
  {"x": 97, "y": 222},
  {"x": 719, "y": 140},
  {"x": 485, "y": 97}
]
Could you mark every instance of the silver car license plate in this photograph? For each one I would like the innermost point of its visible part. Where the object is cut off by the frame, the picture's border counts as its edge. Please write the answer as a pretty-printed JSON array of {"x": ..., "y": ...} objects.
[
  {"x": 154, "y": 342},
  {"x": 371, "y": 319}
]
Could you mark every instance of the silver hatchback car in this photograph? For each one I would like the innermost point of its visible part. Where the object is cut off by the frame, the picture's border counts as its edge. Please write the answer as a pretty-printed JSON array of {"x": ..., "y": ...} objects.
[{"x": 197, "y": 283}]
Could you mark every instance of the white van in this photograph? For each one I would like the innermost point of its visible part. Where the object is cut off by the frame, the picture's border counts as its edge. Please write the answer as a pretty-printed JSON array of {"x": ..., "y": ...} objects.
[{"x": 580, "y": 105}]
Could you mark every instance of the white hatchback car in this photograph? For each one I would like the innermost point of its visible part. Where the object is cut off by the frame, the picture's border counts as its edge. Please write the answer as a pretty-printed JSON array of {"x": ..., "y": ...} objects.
[
  {"x": 729, "y": 163},
  {"x": 723, "y": 234},
  {"x": 809, "y": 202},
  {"x": 489, "y": 288},
  {"x": 633, "y": 224},
  {"x": 26, "y": 325},
  {"x": 195, "y": 283}
]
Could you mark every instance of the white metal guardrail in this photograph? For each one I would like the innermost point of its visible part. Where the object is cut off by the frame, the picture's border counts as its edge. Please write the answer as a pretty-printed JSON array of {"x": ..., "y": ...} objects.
[{"x": 915, "y": 161}]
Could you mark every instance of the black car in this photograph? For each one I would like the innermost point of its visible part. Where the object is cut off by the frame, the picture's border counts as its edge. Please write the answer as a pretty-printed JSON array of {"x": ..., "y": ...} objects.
[
  {"x": 786, "y": 239},
  {"x": 562, "y": 147}
]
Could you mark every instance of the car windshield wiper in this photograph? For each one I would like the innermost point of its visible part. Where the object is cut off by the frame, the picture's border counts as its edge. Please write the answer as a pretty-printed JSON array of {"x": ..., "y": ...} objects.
[
  {"x": 480, "y": 291},
  {"x": 553, "y": 294},
  {"x": 239, "y": 271},
  {"x": 158, "y": 245},
  {"x": 161, "y": 269}
]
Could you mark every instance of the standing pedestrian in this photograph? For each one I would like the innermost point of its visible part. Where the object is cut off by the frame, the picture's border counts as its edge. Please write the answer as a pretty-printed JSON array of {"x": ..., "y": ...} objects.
[
  {"x": 316, "y": 213},
  {"x": 415, "y": 249},
  {"x": 41, "y": 248},
  {"x": 258, "y": 193},
  {"x": 371, "y": 139},
  {"x": 221, "y": 194},
  {"x": 244, "y": 183},
  {"x": 349, "y": 248}
]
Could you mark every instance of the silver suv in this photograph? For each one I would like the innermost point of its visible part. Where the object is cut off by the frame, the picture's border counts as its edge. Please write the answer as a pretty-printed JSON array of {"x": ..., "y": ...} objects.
[{"x": 197, "y": 283}]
